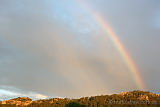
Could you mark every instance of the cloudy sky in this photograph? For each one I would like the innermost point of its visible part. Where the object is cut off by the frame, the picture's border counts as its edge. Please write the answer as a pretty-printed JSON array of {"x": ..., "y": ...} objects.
[{"x": 57, "y": 48}]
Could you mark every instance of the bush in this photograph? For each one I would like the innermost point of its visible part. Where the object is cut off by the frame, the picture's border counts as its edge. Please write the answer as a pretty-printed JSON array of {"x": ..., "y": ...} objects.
[{"x": 74, "y": 104}]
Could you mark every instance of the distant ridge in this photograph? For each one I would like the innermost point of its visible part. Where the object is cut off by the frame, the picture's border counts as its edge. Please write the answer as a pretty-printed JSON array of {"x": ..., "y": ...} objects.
[{"x": 125, "y": 99}]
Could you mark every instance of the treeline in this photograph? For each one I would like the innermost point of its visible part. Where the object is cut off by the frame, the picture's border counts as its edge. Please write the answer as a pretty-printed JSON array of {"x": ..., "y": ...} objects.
[{"x": 125, "y": 99}]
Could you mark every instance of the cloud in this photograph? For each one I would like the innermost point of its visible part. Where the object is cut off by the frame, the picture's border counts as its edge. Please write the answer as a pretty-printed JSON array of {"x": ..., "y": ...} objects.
[
  {"x": 57, "y": 48},
  {"x": 42, "y": 54},
  {"x": 8, "y": 92},
  {"x": 156, "y": 19}
]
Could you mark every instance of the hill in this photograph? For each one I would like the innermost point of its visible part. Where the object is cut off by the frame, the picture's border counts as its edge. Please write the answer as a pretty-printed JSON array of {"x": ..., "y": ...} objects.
[{"x": 125, "y": 99}]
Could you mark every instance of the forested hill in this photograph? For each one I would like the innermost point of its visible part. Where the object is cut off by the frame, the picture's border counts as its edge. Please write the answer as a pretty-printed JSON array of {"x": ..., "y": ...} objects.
[{"x": 124, "y": 99}]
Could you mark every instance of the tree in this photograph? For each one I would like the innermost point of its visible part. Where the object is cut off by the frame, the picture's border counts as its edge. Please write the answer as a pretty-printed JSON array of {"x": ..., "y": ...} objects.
[{"x": 74, "y": 104}]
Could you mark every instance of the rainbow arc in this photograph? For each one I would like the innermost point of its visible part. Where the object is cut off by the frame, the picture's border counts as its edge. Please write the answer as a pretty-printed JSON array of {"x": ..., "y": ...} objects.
[{"x": 133, "y": 69}]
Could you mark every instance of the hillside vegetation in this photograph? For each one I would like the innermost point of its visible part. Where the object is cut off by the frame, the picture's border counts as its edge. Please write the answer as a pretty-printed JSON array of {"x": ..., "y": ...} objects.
[{"x": 124, "y": 99}]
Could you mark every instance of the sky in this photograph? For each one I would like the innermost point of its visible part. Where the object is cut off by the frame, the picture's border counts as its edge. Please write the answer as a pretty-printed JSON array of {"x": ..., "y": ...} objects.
[{"x": 57, "y": 48}]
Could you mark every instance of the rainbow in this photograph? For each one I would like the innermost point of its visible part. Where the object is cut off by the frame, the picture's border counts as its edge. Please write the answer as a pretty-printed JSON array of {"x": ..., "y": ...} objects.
[
  {"x": 122, "y": 50},
  {"x": 133, "y": 69}
]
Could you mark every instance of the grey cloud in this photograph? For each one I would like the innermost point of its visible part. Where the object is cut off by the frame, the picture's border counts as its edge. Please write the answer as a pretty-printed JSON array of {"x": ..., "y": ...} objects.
[{"x": 46, "y": 54}]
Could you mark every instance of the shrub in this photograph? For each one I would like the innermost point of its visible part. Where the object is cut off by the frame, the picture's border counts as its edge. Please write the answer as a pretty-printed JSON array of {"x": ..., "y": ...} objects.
[{"x": 74, "y": 104}]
